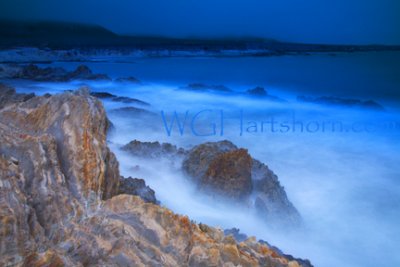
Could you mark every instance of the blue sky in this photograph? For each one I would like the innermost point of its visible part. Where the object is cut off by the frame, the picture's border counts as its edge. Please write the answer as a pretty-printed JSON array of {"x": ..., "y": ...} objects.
[{"x": 313, "y": 21}]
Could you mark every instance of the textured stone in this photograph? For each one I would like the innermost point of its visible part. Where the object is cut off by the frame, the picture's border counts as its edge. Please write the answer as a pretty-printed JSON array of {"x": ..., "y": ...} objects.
[{"x": 59, "y": 204}]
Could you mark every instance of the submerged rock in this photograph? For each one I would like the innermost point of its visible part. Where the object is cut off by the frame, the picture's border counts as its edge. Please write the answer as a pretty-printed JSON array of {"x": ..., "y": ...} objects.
[
  {"x": 262, "y": 93},
  {"x": 129, "y": 79},
  {"x": 133, "y": 112},
  {"x": 137, "y": 187},
  {"x": 206, "y": 87},
  {"x": 123, "y": 99},
  {"x": 257, "y": 91},
  {"x": 344, "y": 102}
]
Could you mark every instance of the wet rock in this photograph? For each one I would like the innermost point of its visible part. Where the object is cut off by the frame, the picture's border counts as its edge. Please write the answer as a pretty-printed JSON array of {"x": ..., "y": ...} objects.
[
  {"x": 344, "y": 102},
  {"x": 205, "y": 87},
  {"x": 152, "y": 149},
  {"x": 223, "y": 169},
  {"x": 137, "y": 187}
]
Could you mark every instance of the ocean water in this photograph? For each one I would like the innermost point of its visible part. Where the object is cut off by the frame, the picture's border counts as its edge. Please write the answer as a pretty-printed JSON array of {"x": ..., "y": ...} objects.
[{"x": 344, "y": 180}]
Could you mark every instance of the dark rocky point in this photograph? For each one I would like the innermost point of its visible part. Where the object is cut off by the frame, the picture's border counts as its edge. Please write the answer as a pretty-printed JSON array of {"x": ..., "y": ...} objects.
[
  {"x": 206, "y": 87},
  {"x": 122, "y": 99},
  {"x": 257, "y": 91},
  {"x": 56, "y": 74},
  {"x": 152, "y": 149},
  {"x": 127, "y": 80},
  {"x": 137, "y": 187},
  {"x": 344, "y": 102}
]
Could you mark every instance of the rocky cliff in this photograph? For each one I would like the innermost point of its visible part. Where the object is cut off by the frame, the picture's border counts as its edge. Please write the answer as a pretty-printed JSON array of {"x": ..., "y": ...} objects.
[{"x": 59, "y": 202}]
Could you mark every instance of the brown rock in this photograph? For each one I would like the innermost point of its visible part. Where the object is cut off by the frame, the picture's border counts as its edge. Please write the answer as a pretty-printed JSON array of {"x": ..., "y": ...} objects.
[
  {"x": 229, "y": 174},
  {"x": 58, "y": 206}
]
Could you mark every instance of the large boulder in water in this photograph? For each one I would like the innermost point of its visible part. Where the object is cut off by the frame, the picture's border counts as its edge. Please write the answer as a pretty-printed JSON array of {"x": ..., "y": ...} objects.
[{"x": 221, "y": 168}]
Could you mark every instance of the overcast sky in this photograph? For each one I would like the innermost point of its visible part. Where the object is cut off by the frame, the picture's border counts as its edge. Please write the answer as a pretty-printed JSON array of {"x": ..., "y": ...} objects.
[{"x": 314, "y": 21}]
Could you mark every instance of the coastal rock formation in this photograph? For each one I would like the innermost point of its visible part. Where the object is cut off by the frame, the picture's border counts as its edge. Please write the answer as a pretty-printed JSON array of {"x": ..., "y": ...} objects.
[
  {"x": 229, "y": 174},
  {"x": 129, "y": 79},
  {"x": 152, "y": 149},
  {"x": 223, "y": 168},
  {"x": 122, "y": 99},
  {"x": 8, "y": 95},
  {"x": 257, "y": 91},
  {"x": 59, "y": 202},
  {"x": 205, "y": 87},
  {"x": 262, "y": 93},
  {"x": 343, "y": 102},
  {"x": 55, "y": 74},
  {"x": 133, "y": 112}
]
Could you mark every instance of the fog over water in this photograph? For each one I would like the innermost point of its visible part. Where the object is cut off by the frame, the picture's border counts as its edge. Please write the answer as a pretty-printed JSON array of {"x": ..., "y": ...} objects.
[{"x": 345, "y": 184}]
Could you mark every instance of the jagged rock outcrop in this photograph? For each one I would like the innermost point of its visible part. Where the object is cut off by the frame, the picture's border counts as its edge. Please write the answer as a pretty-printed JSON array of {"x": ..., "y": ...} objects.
[
  {"x": 59, "y": 202},
  {"x": 152, "y": 149},
  {"x": 231, "y": 172},
  {"x": 137, "y": 187},
  {"x": 55, "y": 74},
  {"x": 8, "y": 96},
  {"x": 262, "y": 93}
]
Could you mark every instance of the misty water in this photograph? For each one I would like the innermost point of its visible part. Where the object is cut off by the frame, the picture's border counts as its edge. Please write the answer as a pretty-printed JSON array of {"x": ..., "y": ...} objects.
[{"x": 345, "y": 183}]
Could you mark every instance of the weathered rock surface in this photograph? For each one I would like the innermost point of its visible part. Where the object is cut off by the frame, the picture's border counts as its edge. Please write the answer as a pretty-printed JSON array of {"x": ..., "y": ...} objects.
[
  {"x": 59, "y": 204},
  {"x": 223, "y": 168},
  {"x": 137, "y": 187},
  {"x": 229, "y": 174},
  {"x": 55, "y": 74}
]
